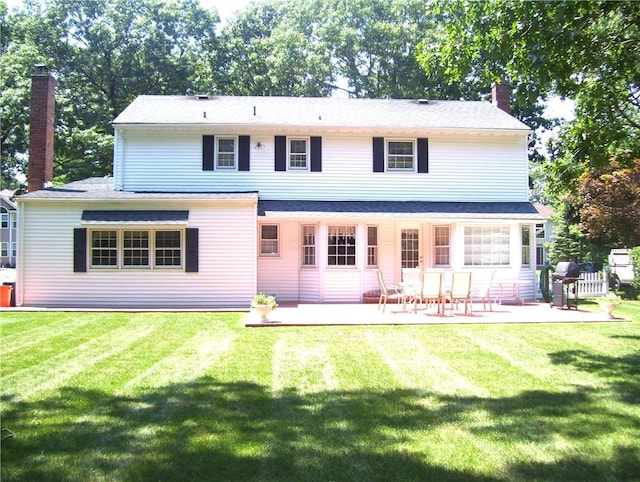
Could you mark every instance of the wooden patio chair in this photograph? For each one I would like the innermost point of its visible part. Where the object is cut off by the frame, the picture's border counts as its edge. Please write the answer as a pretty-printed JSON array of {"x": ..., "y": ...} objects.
[
  {"x": 432, "y": 292},
  {"x": 388, "y": 292},
  {"x": 461, "y": 290}
]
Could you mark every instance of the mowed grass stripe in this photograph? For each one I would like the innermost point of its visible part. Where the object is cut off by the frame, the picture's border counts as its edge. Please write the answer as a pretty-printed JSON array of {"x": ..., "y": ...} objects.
[
  {"x": 302, "y": 363},
  {"x": 22, "y": 333},
  {"x": 415, "y": 365},
  {"x": 494, "y": 375},
  {"x": 187, "y": 360},
  {"x": 519, "y": 351},
  {"x": 56, "y": 370},
  {"x": 53, "y": 338}
]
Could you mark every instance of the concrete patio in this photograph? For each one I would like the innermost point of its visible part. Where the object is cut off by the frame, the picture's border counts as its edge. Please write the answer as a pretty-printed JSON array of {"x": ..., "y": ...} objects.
[{"x": 310, "y": 314}]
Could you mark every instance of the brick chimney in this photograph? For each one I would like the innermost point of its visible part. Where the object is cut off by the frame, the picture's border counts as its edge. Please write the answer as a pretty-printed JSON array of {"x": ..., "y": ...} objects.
[
  {"x": 40, "y": 172},
  {"x": 500, "y": 95}
]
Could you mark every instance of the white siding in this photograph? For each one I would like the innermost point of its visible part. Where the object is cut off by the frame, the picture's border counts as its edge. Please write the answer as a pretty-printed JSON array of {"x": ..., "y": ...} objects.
[
  {"x": 279, "y": 275},
  {"x": 461, "y": 168},
  {"x": 227, "y": 263}
]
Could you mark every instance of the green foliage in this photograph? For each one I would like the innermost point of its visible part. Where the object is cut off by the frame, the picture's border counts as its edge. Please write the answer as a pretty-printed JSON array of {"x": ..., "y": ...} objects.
[
  {"x": 103, "y": 53},
  {"x": 566, "y": 240},
  {"x": 262, "y": 299},
  {"x": 635, "y": 260},
  {"x": 610, "y": 204}
]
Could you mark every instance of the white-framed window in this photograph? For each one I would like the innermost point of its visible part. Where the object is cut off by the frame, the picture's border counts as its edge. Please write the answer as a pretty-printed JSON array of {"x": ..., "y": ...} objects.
[
  {"x": 4, "y": 217},
  {"x": 226, "y": 152},
  {"x": 4, "y": 249},
  {"x": 541, "y": 232},
  {"x": 372, "y": 246},
  {"x": 400, "y": 154},
  {"x": 526, "y": 245},
  {"x": 139, "y": 248},
  {"x": 269, "y": 240},
  {"x": 486, "y": 245},
  {"x": 14, "y": 249},
  {"x": 168, "y": 249},
  {"x": 135, "y": 249},
  {"x": 341, "y": 245},
  {"x": 308, "y": 245},
  {"x": 14, "y": 221},
  {"x": 442, "y": 245},
  {"x": 103, "y": 251},
  {"x": 298, "y": 154}
]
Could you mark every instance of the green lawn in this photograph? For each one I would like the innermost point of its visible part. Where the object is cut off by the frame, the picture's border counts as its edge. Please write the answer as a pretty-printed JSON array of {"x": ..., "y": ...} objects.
[{"x": 196, "y": 396}]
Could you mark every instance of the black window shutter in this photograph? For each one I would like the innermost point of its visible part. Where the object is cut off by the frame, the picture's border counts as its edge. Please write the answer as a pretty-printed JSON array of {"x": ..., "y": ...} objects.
[
  {"x": 378, "y": 154},
  {"x": 243, "y": 153},
  {"x": 316, "y": 154},
  {"x": 79, "y": 250},
  {"x": 423, "y": 155},
  {"x": 191, "y": 251},
  {"x": 208, "y": 148},
  {"x": 281, "y": 153}
]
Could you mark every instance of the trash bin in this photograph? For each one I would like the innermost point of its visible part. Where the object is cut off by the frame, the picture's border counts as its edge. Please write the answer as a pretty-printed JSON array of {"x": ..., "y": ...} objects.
[{"x": 6, "y": 291}]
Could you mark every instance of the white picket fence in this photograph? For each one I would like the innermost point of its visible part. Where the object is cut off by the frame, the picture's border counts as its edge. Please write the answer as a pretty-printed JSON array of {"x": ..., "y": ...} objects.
[{"x": 592, "y": 285}]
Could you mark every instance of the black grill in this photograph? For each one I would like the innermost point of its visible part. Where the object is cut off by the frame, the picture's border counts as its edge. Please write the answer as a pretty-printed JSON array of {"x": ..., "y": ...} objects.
[
  {"x": 567, "y": 271},
  {"x": 565, "y": 278}
]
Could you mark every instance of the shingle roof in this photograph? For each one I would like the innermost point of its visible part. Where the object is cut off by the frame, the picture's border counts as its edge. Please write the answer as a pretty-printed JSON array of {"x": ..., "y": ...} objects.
[
  {"x": 398, "y": 208},
  {"x": 318, "y": 112},
  {"x": 99, "y": 188}
]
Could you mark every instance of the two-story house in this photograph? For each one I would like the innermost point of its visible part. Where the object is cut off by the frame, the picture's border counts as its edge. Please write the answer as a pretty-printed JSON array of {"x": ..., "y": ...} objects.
[{"x": 213, "y": 199}]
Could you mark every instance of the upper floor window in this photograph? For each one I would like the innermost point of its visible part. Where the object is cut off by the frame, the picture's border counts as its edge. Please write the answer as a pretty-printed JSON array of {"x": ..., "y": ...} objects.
[
  {"x": 298, "y": 153},
  {"x": 269, "y": 244},
  {"x": 4, "y": 217},
  {"x": 540, "y": 231},
  {"x": 226, "y": 152},
  {"x": 400, "y": 155}
]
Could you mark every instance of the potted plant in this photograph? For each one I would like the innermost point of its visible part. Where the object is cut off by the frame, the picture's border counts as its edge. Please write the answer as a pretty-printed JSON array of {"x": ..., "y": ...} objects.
[
  {"x": 263, "y": 305},
  {"x": 609, "y": 303}
]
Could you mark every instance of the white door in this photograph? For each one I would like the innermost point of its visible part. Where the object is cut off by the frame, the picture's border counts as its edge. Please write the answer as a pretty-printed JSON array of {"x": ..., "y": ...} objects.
[{"x": 410, "y": 247}]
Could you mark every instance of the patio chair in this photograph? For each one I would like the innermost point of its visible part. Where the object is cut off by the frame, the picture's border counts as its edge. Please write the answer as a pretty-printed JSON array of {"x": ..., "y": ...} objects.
[
  {"x": 483, "y": 291},
  {"x": 461, "y": 290},
  {"x": 388, "y": 292},
  {"x": 411, "y": 285},
  {"x": 432, "y": 292}
]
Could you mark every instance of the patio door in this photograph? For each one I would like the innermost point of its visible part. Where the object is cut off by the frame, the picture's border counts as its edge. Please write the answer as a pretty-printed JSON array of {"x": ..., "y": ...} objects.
[{"x": 410, "y": 252}]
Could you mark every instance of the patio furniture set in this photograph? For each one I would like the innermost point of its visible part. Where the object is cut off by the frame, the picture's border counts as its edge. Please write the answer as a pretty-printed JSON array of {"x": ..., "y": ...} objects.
[{"x": 431, "y": 289}]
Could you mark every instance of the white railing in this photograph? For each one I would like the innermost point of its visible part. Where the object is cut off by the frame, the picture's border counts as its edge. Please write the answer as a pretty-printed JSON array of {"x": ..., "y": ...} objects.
[{"x": 593, "y": 285}]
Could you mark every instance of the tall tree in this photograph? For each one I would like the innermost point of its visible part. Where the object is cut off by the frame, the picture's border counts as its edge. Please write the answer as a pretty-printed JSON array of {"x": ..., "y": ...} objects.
[
  {"x": 104, "y": 53},
  {"x": 586, "y": 50},
  {"x": 610, "y": 210}
]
